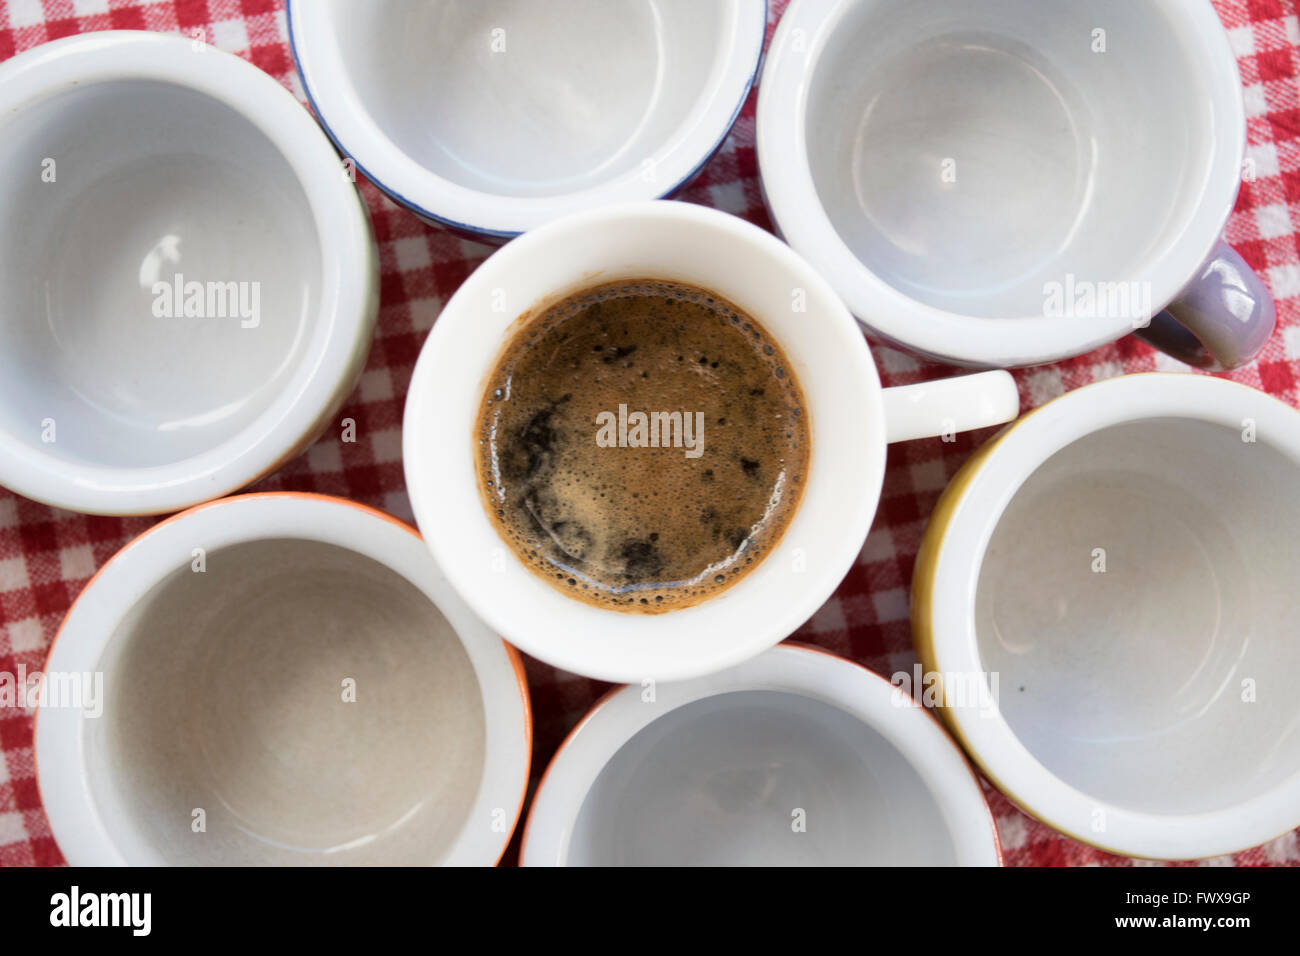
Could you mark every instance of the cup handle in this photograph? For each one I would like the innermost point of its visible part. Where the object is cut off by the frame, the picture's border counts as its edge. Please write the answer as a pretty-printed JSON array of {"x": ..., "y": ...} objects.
[
  {"x": 1221, "y": 320},
  {"x": 950, "y": 405}
]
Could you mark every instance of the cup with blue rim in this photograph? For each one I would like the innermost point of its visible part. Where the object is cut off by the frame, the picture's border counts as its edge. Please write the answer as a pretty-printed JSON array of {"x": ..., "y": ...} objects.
[{"x": 494, "y": 117}]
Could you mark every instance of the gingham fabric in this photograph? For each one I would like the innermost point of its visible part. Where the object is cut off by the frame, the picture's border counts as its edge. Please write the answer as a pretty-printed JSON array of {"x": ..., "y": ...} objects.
[{"x": 46, "y": 556}]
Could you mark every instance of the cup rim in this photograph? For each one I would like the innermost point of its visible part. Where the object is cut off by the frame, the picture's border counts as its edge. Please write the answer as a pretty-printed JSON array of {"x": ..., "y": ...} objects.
[
  {"x": 947, "y": 577},
  {"x": 349, "y": 275},
  {"x": 493, "y": 216},
  {"x": 999, "y": 342},
  {"x": 90, "y": 623},
  {"x": 791, "y": 667},
  {"x": 562, "y": 630}
]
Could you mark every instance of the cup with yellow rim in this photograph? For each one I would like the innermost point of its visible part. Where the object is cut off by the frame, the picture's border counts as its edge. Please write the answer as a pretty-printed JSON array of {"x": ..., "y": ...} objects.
[{"x": 1119, "y": 569}]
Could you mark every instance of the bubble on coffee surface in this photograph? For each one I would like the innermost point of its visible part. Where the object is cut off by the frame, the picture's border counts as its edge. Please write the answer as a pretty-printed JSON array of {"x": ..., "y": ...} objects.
[{"x": 643, "y": 529}]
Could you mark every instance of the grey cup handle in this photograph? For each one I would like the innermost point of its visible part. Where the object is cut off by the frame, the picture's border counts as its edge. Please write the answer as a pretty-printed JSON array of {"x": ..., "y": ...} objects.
[{"x": 1221, "y": 320}]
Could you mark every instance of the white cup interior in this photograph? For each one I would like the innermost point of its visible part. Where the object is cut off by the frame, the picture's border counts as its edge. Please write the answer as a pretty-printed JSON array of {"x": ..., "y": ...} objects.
[
  {"x": 717, "y": 782},
  {"x": 225, "y": 692},
  {"x": 1162, "y": 684},
  {"x": 528, "y": 99},
  {"x": 969, "y": 153},
  {"x": 152, "y": 180},
  {"x": 794, "y": 757}
]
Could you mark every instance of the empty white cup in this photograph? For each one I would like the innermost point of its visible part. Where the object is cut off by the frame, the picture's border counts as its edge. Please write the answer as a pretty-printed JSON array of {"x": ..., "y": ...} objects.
[
  {"x": 1012, "y": 182},
  {"x": 493, "y": 117},
  {"x": 795, "y": 758},
  {"x": 188, "y": 282},
  {"x": 280, "y": 679},
  {"x": 1124, "y": 561}
]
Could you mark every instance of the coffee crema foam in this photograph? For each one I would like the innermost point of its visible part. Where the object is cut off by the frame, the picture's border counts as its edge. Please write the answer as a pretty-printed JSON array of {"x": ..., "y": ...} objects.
[{"x": 636, "y": 528}]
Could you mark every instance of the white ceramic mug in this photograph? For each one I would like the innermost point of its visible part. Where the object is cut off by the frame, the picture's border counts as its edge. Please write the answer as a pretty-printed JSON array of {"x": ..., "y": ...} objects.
[
  {"x": 280, "y": 679},
  {"x": 188, "y": 281},
  {"x": 1124, "y": 560},
  {"x": 851, "y": 417},
  {"x": 493, "y": 117},
  {"x": 794, "y": 758},
  {"x": 1012, "y": 182}
]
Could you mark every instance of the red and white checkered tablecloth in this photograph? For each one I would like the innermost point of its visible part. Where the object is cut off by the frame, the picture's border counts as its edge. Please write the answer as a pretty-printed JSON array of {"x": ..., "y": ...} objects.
[{"x": 47, "y": 556}]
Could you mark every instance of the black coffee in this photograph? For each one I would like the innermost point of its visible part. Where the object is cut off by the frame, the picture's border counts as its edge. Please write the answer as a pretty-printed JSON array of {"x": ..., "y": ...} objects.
[{"x": 642, "y": 445}]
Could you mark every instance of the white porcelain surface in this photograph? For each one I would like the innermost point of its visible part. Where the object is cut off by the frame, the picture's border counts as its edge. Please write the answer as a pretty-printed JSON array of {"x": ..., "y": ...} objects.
[
  {"x": 167, "y": 160},
  {"x": 226, "y": 691},
  {"x": 1126, "y": 564},
  {"x": 498, "y": 116},
  {"x": 795, "y": 758},
  {"x": 943, "y": 162},
  {"x": 851, "y": 419}
]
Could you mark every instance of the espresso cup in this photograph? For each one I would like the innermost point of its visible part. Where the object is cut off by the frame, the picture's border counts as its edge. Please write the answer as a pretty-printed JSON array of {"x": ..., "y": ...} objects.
[
  {"x": 1121, "y": 566},
  {"x": 279, "y": 679},
  {"x": 493, "y": 117},
  {"x": 794, "y": 758},
  {"x": 1013, "y": 182},
  {"x": 189, "y": 280},
  {"x": 852, "y": 418}
]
